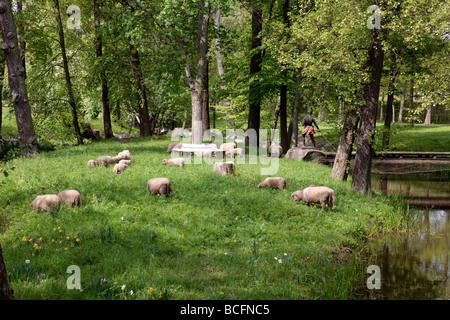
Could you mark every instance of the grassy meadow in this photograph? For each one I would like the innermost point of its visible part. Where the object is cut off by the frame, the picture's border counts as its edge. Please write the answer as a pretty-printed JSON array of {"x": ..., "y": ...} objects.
[{"x": 219, "y": 237}]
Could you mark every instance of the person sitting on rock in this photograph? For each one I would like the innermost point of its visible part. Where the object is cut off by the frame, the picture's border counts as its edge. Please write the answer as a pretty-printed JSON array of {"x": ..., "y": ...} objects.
[{"x": 308, "y": 128}]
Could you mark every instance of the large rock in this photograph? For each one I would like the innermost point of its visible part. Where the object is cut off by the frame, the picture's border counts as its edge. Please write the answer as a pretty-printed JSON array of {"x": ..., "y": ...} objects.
[{"x": 307, "y": 154}]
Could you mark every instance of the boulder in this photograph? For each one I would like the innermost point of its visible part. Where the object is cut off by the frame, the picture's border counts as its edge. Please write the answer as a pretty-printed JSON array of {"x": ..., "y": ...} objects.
[{"x": 307, "y": 154}]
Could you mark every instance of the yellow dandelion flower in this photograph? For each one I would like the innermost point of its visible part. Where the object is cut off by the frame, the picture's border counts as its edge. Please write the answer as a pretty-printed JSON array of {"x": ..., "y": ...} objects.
[
  {"x": 150, "y": 290},
  {"x": 24, "y": 238},
  {"x": 65, "y": 249},
  {"x": 78, "y": 240},
  {"x": 67, "y": 238}
]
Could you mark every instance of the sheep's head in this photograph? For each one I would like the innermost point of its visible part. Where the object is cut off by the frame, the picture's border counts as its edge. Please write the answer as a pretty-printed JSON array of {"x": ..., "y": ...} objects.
[
  {"x": 297, "y": 196},
  {"x": 164, "y": 161}
]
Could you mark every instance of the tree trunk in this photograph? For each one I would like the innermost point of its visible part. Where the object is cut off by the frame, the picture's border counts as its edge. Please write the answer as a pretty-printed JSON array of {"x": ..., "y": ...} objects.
[
  {"x": 381, "y": 108},
  {"x": 72, "y": 102},
  {"x": 293, "y": 126},
  {"x": 341, "y": 111},
  {"x": 118, "y": 109},
  {"x": 144, "y": 120},
  {"x": 402, "y": 105},
  {"x": 254, "y": 107},
  {"x": 16, "y": 78},
  {"x": 428, "y": 115},
  {"x": 220, "y": 68},
  {"x": 196, "y": 75},
  {"x": 205, "y": 99},
  {"x": 342, "y": 159},
  {"x": 389, "y": 107},
  {"x": 411, "y": 103},
  {"x": 20, "y": 32},
  {"x": 106, "y": 114},
  {"x": 2, "y": 77},
  {"x": 361, "y": 178},
  {"x": 6, "y": 293},
  {"x": 284, "y": 140}
]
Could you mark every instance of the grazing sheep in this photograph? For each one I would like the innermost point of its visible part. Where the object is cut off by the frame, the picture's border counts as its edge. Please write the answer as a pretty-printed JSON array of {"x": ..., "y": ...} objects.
[
  {"x": 92, "y": 163},
  {"x": 203, "y": 154},
  {"x": 104, "y": 160},
  {"x": 45, "y": 202},
  {"x": 125, "y": 162},
  {"x": 119, "y": 168},
  {"x": 313, "y": 194},
  {"x": 179, "y": 162},
  {"x": 116, "y": 159},
  {"x": 172, "y": 146},
  {"x": 124, "y": 155},
  {"x": 224, "y": 168},
  {"x": 159, "y": 186},
  {"x": 227, "y": 146},
  {"x": 273, "y": 182},
  {"x": 70, "y": 197},
  {"x": 234, "y": 152}
]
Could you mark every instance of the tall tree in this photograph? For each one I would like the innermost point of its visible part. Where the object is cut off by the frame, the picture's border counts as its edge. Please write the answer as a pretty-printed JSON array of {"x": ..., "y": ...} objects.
[
  {"x": 389, "y": 104},
  {"x": 106, "y": 114},
  {"x": 284, "y": 140},
  {"x": 361, "y": 178},
  {"x": 2, "y": 77},
  {"x": 70, "y": 93},
  {"x": 195, "y": 71},
  {"x": 254, "y": 107},
  {"x": 16, "y": 78}
]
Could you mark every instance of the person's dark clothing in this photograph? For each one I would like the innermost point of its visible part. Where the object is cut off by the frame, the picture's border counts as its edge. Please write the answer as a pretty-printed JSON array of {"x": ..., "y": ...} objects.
[{"x": 308, "y": 122}]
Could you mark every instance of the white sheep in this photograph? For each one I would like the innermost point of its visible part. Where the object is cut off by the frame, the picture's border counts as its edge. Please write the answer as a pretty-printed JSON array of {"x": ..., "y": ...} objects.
[
  {"x": 227, "y": 146},
  {"x": 159, "y": 186},
  {"x": 45, "y": 202},
  {"x": 273, "y": 182},
  {"x": 119, "y": 168},
  {"x": 233, "y": 152},
  {"x": 105, "y": 160},
  {"x": 92, "y": 163},
  {"x": 124, "y": 155},
  {"x": 224, "y": 168},
  {"x": 203, "y": 154},
  {"x": 70, "y": 197},
  {"x": 312, "y": 194},
  {"x": 179, "y": 162},
  {"x": 125, "y": 162}
]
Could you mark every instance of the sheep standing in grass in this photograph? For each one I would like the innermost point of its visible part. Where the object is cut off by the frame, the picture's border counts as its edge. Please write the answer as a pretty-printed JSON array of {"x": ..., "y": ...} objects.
[
  {"x": 273, "y": 182},
  {"x": 179, "y": 162},
  {"x": 227, "y": 146},
  {"x": 313, "y": 194},
  {"x": 224, "y": 168},
  {"x": 203, "y": 154},
  {"x": 172, "y": 146},
  {"x": 233, "y": 152},
  {"x": 159, "y": 186},
  {"x": 70, "y": 197},
  {"x": 45, "y": 202},
  {"x": 119, "y": 168},
  {"x": 104, "y": 160},
  {"x": 124, "y": 155},
  {"x": 125, "y": 162}
]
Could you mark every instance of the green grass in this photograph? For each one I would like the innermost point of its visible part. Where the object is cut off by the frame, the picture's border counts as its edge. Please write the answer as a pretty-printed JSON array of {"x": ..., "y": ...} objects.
[{"x": 217, "y": 238}]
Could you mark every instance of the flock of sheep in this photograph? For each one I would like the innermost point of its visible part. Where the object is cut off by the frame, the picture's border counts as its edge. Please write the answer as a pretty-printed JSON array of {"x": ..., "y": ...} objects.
[
  {"x": 161, "y": 186},
  {"x": 313, "y": 194}
]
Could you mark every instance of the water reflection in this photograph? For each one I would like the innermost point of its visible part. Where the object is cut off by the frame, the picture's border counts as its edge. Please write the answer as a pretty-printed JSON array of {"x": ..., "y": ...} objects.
[{"x": 415, "y": 264}]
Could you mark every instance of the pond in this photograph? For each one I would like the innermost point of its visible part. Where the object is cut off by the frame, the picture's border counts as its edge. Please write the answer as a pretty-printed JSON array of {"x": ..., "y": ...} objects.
[{"x": 414, "y": 265}]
